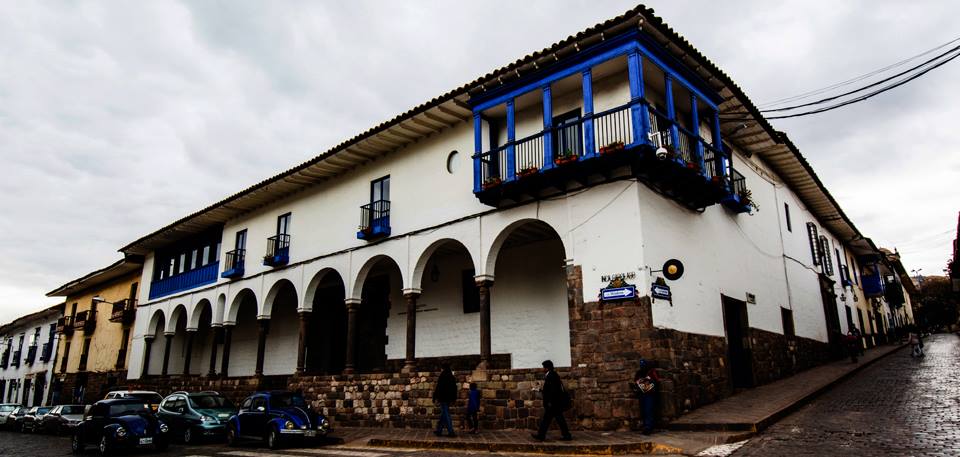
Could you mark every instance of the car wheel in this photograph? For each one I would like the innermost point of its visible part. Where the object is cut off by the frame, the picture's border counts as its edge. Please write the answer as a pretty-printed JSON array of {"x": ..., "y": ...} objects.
[
  {"x": 76, "y": 445},
  {"x": 104, "y": 446},
  {"x": 231, "y": 436},
  {"x": 188, "y": 435},
  {"x": 273, "y": 439}
]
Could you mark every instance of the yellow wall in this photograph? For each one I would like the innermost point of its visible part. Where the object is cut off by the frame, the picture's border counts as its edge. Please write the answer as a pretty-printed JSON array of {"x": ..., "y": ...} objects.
[{"x": 106, "y": 339}]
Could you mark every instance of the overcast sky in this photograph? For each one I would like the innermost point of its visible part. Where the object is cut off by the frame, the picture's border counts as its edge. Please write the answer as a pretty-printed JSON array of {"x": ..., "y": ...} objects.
[{"x": 117, "y": 118}]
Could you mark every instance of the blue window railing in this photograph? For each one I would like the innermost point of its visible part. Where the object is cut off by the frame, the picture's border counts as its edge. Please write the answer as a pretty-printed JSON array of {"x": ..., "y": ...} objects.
[
  {"x": 204, "y": 275},
  {"x": 233, "y": 268},
  {"x": 374, "y": 220},
  {"x": 278, "y": 250}
]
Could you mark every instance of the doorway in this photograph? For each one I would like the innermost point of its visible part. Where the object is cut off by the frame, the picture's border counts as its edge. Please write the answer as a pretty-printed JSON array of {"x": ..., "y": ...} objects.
[
  {"x": 737, "y": 328},
  {"x": 831, "y": 315}
]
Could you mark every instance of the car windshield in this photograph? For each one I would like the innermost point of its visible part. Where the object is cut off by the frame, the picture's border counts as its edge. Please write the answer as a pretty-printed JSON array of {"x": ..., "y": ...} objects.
[
  {"x": 287, "y": 400},
  {"x": 7, "y": 408},
  {"x": 43, "y": 410},
  {"x": 129, "y": 409},
  {"x": 209, "y": 402},
  {"x": 146, "y": 396},
  {"x": 72, "y": 409}
]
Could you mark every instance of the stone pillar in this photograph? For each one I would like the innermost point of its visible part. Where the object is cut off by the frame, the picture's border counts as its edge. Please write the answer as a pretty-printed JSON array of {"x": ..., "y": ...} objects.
[
  {"x": 410, "y": 364},
  {"x": 189, "y": 355},
  {"x": 227, "y": 336},
  {"x": 148, "y": 346},
  {"x": 263, "y": 329},
  {"x": 217, "y": 337},
  {"x": 168, "y": 336},
  {"x": 302, "y": 343},
  {"x": 484, "y": 283},
  {"x": 353, "y": 305}
]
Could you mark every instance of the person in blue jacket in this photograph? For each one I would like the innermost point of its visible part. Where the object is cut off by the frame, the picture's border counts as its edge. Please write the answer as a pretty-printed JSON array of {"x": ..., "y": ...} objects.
[{"x": 473, "y": 408}]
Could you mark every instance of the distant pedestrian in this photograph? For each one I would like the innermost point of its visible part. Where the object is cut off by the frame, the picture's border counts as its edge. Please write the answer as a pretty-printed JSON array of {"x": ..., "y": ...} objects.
[
  {"x": 916, "y": 343},
  {"x": 856, "y": 333},
  {"x": 852, "y": 342},
  {"x": 445, "y": 394},
  {"x": 645, "y": 386},
  {"x": 473, "y": 408},
  {"x": 556, "y": 400}
]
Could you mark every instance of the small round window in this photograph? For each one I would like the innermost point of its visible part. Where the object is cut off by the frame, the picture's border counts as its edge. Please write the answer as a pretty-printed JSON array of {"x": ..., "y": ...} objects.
[{"x": 453, "y": 162}]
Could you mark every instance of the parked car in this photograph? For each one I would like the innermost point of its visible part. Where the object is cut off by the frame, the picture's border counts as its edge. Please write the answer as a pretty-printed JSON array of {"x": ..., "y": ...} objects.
[
  {"x": 5, "y": 410},
  {"x": 276, "y": 417},
  {"x": 193, "y": 416},
  {"x": 32, "y": 419},
  {"x": 63, "y": 418},
  {"x": 15, "y": 419},
  {"x": 120, "y": 424},
  {"x": 147, "y": 396}
]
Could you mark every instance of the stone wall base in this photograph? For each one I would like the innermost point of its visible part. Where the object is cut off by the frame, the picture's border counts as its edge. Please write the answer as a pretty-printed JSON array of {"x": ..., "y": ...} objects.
[{"x": 84, "y": 387}]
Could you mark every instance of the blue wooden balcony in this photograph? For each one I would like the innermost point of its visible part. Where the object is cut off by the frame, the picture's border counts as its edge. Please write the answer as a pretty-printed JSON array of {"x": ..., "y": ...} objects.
[
  {"x": 204, "y": 275},
  {"x": 374, "y": 220},
  {"x": 278, "y": 251},
  {"x": 233, "y": 267},
  {"x": 872, "y": 285},
  {"x": 739, "y": 199}
]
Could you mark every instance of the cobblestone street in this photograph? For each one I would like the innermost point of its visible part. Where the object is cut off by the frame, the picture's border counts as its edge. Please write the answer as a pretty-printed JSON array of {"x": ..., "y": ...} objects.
[{"x": 897, "y": 407}]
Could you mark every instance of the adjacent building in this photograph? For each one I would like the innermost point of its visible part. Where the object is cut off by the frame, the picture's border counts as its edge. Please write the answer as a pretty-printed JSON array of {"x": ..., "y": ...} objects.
[
  {"x": 27, "y": 347},
  {"x": 527, "y": 215},
  {"x": 95, "y": 331}
]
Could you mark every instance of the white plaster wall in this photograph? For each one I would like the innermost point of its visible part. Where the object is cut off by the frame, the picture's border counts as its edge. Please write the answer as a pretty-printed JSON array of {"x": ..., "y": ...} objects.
[{"x": 38, "y": 368}]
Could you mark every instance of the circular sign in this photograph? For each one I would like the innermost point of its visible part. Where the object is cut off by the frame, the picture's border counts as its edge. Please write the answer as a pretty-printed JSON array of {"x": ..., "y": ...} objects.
[{"x": 673, "y": 269}]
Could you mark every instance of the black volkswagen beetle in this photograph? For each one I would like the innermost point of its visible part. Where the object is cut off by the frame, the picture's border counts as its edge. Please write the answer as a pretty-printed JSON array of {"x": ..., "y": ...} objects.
[{"x": 120, "y": 424}]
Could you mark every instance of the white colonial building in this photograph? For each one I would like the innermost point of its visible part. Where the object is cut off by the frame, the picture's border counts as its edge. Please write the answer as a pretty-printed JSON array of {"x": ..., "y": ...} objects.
[
  {"x": 27, "y": 349},
  {"x": 480, "y": 227}
]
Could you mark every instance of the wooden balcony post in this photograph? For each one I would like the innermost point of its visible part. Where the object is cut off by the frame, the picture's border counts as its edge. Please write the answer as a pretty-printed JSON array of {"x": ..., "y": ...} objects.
[
  {"x": 263, "y": 329},
  {"x": 638, "y": 111},
  {"x": 477, "y": 149},
  {"x": 695, "y": 118},
  {"x": 410, "y": 363},
  {"x": 302, "y": 342},
  {"x": 511, "y": 137},
  {"x": 589, "y": 138},
  {"x": 484, "y": 283},
  {"x": 548, "y": 152},
  {"x": 671, "y": 112}
]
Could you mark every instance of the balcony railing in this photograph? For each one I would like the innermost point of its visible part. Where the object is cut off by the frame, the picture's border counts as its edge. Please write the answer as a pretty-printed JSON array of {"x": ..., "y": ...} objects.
[
  {"x": 374, "y": 220},
  {"x": 124, "y": 310},
  {"x": 47, "y": 352},
  {"x": 15, "y": 359},
  {"x": 65, "y": 325},
  {"x": 740, "y": 199},
  {"x": 31, "y": 355},
  {"x": 204, "y": 275},
  {"x": 233, "y": 268},
  {"x": 85, "y": 321},
  {"x": 872, "y": 285},
  {"x": 5, "y": 360},
  {"x": 278, "y": 250}
]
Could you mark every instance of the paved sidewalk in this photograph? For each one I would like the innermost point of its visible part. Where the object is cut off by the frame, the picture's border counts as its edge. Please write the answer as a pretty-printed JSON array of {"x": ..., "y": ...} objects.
[
  {"x": 756, "y": 409},
  {"x": 730, "y": 420}
]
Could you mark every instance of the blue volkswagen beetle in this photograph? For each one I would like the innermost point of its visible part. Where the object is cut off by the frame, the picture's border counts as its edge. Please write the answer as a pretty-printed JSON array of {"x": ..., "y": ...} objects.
[
  {"x": 120, "y": 424},
  {"x": 276, "y": 417}
]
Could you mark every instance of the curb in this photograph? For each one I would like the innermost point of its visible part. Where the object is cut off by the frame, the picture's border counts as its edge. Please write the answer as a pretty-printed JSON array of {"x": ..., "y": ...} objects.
[
  {"x": 645, "y": 447},
  {"x": 756, "y": 427}
]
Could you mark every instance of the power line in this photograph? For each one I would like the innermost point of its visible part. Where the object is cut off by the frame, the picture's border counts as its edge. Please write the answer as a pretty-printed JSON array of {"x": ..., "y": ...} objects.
[{"x": 856, "y": 78}]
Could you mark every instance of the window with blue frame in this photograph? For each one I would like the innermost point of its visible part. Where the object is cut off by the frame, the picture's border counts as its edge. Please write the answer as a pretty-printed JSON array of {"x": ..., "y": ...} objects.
[
  {"x": 569, "y": 138},
  {"x": 375, "y": 216}
]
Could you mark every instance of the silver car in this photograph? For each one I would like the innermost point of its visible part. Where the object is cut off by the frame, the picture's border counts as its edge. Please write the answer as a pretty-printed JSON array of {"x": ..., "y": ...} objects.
[
  {"x": 62, "y": 419},
  {"x": 5, "y": 410}
]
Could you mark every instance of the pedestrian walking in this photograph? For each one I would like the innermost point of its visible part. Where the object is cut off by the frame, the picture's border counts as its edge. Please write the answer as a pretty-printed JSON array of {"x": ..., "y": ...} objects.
[
  {"x": 645, "y": 386},
  {"x": 852, "y": 341},
  {"x": 473, "y": 408},
  {"x": 916, "y": 344},
  {"x": 445, "y": 394},
  {"x": 556, "y": 400},
  {"x": 856, "y": 332}
]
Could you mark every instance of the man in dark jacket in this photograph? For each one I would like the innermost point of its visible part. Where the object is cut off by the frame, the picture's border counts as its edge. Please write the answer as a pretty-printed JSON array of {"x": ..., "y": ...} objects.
[
  {"x": 445, "y": 394},
  {"x": 555, "y": 401},
  {"x": 645, "y": 384}
]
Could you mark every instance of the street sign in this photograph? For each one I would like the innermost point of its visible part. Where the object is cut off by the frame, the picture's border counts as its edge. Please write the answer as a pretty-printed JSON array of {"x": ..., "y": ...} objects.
[
  {"x": 618, "y": 293},
  {"x": 660, "y": 291}
]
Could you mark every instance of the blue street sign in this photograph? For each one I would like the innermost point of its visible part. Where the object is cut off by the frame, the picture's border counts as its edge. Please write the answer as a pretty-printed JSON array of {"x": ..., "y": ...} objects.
[
  {"x": 660, "y": 291},
  {"x": 618, "y": 293}
]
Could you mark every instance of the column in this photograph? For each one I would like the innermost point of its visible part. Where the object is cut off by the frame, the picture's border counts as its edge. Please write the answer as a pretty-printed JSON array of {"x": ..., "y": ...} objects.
[
  {"x": 589, "y": 139},
  {"x": 410, "y": 364},
  {"x": 302, "y": 342},
  {"x": 148, "y": 346},
  {"x": 216, "y": 338},
  {"x": 168, "y": 336},
  {"x": 671, "y": 112},
  {"x": 695, "y": 118},
  {"x": 189, "y": 355},
  {"x": 227, "y": 336},
  {"x": 353, "y": 305},
  {"x": 478, "y": 175},
  {"x": 484, "y": 283},
  {"x": 263, "y": 327},
  {"x": 548, "y": 153},
  {"x": 638, "y": 110},
  {"x": 511, "y": 137}
]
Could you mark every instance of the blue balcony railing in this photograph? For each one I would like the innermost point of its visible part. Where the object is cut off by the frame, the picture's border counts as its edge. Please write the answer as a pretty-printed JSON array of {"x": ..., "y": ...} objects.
[
  {"x": 278, "y": 250},
  {"x": 739, "y": 199},
  {"x": 233, "y": 268},
  {"x": 872, "y": 285},
  {"x": 374, "y": 220},
  {"x": 206, "y": 274}
]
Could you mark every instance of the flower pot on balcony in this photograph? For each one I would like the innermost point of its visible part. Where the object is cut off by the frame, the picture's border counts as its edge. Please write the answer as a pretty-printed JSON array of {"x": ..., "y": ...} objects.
[
  {"x": 565, "y": 159},
  {"x": 528, "y": 171},
  {"x": 491, "y": 182},
  {"x": 616, "y": 146}
]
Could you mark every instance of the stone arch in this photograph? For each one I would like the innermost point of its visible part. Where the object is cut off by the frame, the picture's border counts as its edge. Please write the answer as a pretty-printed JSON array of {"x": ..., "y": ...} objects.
[
  {"x": 326, "y": 339},
  {"x": 272, "y": 294},
  {"x": 179, "y": 313},
  {"x": 198, "y": 310},
  {"x": 315, "y": 282},
  {"x": 157, "y": 324},
  {"x": 365, "y": 271},
  {"x": 231, "y": 312},
  {"x": 495, "y": 248},
  {"x": 416, "y": 279},
  {"x": 220, "y": 309}
]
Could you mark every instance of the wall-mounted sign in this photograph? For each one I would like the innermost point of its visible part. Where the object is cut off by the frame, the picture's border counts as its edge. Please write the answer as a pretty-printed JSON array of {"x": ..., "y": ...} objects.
[
  {"x": 614, "y": 276},
  {"x": 661, "y": 291},
  {"x": 751, "y": 298},
  {"x": 618, "y": 293}
]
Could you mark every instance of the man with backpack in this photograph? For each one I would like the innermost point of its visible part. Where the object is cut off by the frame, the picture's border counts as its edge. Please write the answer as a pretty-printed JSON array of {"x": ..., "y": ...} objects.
[{"x": 556, "y": 400}]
